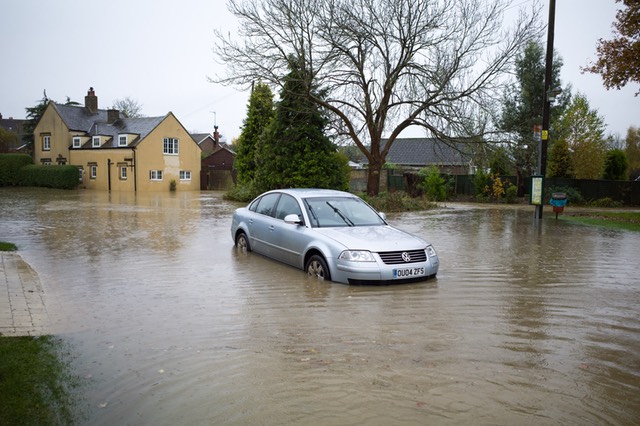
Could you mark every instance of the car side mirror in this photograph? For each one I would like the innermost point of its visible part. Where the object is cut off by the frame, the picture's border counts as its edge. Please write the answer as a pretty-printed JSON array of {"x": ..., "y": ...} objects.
[{"x": 293, "y": 219}]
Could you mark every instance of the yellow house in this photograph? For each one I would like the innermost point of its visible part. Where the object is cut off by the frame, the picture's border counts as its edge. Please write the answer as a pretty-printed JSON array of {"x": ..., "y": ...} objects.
[{"x": 116, "y": 153}]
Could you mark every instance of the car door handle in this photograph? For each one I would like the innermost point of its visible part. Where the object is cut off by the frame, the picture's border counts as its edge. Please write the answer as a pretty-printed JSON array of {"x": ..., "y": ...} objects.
[{"x": 271, "y": 228}]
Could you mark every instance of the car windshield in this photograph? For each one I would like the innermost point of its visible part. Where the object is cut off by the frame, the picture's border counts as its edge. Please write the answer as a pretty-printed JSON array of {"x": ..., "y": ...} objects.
[{"x": 340, "y": 211}]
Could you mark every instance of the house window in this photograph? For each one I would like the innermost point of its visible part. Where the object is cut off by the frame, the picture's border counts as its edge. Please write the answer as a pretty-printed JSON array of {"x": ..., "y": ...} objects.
[
  {"x": 80, "y": 173},
  {"x": 123, "y": 172},
  {"x": 46, "y": 161},
  {"x": 46, "y": 143},
  {"x": 170, "y": 146},
  {"x": 77, "y": 142},
  {"x": 185, "y": 175},
  {"x": 95, "y": 142},
  {"x": 122, "y": 140},
  {"x": 93, "y": 170},
  {"x": 155, "y": 174}
]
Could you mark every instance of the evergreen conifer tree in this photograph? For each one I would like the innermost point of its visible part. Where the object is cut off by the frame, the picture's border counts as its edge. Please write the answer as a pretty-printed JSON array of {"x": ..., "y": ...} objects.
[{"x": 294, "y": 151}]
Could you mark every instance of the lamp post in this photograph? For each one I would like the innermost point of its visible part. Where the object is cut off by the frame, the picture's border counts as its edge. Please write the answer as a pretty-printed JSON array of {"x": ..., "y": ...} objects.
[{"x": 549, "y": 95}]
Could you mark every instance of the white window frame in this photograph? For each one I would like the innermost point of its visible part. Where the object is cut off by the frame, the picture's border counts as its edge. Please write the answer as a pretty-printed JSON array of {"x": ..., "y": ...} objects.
[
  {"x": 185, "y": 175},
  {"x": 95, "y": 142},
  {"x": 170, "y": 146},
  {"x": 77, "y": 142},
  {"x": 81, "y": 173},
  {"x": 123, "y": 172},
  {"x": 122, "y": 140},
  {"x": 93, "y": 171},
  {"x": 155, "y": 175},
  {"x": 46, "y": 143}
]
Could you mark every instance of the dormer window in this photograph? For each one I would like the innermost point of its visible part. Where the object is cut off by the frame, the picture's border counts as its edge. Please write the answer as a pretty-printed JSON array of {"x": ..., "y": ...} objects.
[
  {"x": 95, "y": 142},
  {"x": 122, "y": 140},
  {"x": 77, "y": 142}
]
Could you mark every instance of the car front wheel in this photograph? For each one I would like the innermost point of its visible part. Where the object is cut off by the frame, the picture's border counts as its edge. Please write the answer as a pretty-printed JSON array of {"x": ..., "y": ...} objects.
[
  {"x": 317, "y": 267},
  {"x": 242, "y": 243}
]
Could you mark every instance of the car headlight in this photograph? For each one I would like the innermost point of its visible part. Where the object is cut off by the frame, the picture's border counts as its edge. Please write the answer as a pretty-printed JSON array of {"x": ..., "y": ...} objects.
[
  {"x": 431, "y": 252},
  {"x": 356, "y": 256}
]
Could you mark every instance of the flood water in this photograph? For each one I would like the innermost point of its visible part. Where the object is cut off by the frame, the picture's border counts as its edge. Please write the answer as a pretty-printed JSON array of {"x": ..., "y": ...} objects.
[{"x": 167, "y": 324}]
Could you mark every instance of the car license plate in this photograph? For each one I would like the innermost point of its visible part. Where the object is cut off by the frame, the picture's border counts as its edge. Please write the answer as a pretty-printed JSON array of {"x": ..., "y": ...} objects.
[{"x": 407, "y": 273}]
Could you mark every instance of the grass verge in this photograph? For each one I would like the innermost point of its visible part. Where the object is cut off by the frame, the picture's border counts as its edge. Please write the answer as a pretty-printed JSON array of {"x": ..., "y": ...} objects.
[
  {"x": 4, "y": 246},
  {"x": 34, "y": 382},
  {"x": 629, "y": 221}
]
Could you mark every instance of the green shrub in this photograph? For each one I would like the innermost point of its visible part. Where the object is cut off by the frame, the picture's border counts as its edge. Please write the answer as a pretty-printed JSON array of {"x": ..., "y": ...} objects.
[
  {"x": 10, "y": 165},
  {"x": 482, "y": 198},
  {"x": 511, "y": 194},
  {"x": 604, "y": 202},
  {"x": 396, "y": 201},
  {"x": 480, "y": 184},
  {"x": 242, "y": 192},
  {"x": 60, "y": 177},
  {"x": 433, "y": 184}
]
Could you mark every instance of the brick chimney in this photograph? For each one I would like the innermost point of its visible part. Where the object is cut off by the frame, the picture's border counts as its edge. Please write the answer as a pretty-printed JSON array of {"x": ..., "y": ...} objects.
[
  {"x": 91, "y": 101},
  {"x": 112, "y": 115},
  {"x": 216, "y": 136}
]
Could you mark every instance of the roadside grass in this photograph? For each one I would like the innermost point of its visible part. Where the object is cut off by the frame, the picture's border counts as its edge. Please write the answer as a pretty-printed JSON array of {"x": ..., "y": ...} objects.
[
  {"x": 629, "y": 221},
  {"x": 34, "y": 382},
  {"x": 4, "y": 246},
  {"x": 35, "y": 379}
]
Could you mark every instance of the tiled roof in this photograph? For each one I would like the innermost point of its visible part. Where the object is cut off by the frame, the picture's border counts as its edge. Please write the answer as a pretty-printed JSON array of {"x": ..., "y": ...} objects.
[
  {"x": 12, "y": 124},
  {"x": 426, "y": 152},
  {"x": 200, "y": 137},
  {"x": 79, "y": 119}
]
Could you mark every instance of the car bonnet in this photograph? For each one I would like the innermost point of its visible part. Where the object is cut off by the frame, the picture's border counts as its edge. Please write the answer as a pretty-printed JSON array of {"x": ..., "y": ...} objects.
[{"x": 374, "y": 238}]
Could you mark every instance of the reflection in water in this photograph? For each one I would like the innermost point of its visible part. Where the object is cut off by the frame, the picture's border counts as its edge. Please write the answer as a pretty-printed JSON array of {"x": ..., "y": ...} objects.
[{"x": 170, "y": 325}]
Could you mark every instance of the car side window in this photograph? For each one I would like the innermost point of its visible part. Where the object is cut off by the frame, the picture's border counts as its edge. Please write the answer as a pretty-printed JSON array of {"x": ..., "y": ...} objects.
[
  {"x": 266, "y": 204},
  {"x": 286, "y": 206}
]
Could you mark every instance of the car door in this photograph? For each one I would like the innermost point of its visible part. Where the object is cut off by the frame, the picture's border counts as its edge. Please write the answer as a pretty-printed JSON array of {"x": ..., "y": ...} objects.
[
  {"x": 260, "y": 234},
  {"x": 288, "y": 239}
]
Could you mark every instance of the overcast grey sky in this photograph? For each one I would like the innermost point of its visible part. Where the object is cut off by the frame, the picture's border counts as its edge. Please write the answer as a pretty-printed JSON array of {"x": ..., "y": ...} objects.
[{"x": 159, "y": 52}]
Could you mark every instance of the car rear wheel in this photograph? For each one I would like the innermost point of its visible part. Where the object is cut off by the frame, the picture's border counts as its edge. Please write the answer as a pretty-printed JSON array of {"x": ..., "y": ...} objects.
[
  {"x": 242, "y": 243},
  {"x": 317, "y": 267}
]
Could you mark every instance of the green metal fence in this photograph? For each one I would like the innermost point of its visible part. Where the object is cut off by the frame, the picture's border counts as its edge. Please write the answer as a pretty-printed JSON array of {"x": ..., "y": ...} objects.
[{"x": 625, "y": 192}]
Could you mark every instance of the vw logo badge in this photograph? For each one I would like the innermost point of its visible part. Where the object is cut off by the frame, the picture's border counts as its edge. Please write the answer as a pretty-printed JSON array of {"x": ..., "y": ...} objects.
[{"x": 406, "y": 257}]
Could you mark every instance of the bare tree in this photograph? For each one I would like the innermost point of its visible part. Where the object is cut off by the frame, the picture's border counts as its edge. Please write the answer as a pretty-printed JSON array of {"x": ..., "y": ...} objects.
[
  {"x": 130, "y": 108},
  {"x": 382, "y": 65}
]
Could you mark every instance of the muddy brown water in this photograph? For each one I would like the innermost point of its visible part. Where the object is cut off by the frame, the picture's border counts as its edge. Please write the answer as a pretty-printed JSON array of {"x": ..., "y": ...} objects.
[{"x": 168, "y": 324}]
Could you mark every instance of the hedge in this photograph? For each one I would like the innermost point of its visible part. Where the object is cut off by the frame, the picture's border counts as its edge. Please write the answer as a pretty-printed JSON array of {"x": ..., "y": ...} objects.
[
  {"x": 10, "y": 165},
  {"x": 61, "y": 177}
]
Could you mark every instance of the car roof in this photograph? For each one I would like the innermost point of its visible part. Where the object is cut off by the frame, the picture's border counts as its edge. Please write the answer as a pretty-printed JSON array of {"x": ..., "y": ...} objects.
[{"x": 313, "y": 192}]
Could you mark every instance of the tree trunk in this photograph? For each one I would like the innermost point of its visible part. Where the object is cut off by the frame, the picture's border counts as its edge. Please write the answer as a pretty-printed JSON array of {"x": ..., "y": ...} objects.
[{"x": 373, "y": 179}]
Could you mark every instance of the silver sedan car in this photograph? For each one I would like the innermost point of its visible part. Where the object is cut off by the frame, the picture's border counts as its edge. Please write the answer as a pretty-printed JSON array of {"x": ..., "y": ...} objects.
[{"x": 333, "y": 235}]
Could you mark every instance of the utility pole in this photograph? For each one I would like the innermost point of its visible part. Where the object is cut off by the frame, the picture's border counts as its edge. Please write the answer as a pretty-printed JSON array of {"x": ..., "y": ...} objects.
[{"x": 546, "y": 105}]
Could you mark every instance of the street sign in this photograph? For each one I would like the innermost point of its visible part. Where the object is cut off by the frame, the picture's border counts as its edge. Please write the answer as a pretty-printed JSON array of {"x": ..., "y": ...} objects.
[
  {"x": 537, "y": 133},
  {"x": 536, "y": 190}
]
